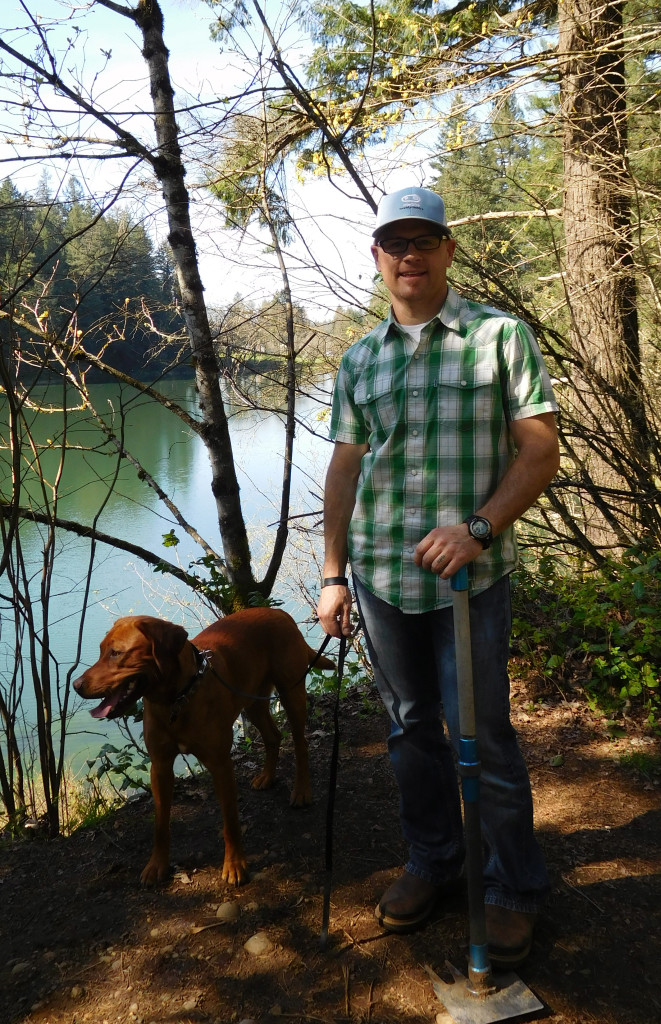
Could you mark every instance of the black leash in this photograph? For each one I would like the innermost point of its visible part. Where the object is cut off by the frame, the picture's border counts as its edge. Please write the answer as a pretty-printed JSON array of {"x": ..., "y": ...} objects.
[{"x": 330, "y": 806}]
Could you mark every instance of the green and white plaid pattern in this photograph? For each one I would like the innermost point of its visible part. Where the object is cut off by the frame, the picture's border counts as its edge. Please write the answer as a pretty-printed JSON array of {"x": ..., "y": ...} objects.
[{"x": 436, "y": 422}]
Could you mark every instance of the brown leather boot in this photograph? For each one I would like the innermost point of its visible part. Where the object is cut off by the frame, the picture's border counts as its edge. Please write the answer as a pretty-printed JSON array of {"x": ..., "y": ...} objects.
[
  {"x": 509, "y": 935},
  {"x": 407, "y": 903}
]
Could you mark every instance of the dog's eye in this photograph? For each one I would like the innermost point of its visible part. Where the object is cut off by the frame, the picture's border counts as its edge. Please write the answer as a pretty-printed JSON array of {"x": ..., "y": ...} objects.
[{"x": 113, "y": 653}]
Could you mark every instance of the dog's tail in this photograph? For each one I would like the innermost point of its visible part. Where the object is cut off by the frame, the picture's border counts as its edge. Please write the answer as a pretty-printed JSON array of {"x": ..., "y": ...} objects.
[
  {"x": 322, "y": 662},
  {"x": 319, "y": 660}
]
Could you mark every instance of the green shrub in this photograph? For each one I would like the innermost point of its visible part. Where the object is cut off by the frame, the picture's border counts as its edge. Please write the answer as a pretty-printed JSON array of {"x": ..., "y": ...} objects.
[
  {"x": 124, "y": 768},
  {"x": 597, "y": 630}
]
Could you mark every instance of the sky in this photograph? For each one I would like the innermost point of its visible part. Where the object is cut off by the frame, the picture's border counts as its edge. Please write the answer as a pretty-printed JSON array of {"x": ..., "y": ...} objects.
[{"x": 335, "y": 222}]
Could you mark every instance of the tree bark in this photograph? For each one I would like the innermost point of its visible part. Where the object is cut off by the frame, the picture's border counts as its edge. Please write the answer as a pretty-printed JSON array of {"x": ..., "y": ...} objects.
[
  {"x": 170, "y": 171},
  {"x": 613, "y": 451}
]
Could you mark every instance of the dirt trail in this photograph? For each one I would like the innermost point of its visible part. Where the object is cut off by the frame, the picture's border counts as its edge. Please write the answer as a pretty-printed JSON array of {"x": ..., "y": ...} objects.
[{"x": 81, "y": 942}]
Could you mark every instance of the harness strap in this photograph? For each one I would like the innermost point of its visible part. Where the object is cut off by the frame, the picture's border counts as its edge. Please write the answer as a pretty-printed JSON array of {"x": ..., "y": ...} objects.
[
  {"x": 332, "y": 786},
  {"x": 203, "y": 663}
]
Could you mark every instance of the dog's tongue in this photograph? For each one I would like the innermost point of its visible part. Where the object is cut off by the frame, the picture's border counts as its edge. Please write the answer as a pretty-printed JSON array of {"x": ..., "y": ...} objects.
[{"x": 106, "y": 706}]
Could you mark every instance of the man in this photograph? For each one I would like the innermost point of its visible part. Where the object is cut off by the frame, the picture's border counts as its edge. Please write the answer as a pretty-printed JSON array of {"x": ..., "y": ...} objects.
[{"x": 444, "y": 430}]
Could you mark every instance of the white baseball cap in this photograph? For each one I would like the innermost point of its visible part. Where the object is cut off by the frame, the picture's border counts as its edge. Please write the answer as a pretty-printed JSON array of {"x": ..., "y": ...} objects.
[{"x": 411, "y": 204}]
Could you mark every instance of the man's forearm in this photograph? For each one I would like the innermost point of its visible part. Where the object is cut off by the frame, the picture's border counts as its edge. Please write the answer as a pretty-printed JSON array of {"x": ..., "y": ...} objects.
[
  {"x": 532, "y": 470},
  {"x": 339, "y": 501},
  {"x": 334, "y": 607},
  {"x": 518, "y": 490}
]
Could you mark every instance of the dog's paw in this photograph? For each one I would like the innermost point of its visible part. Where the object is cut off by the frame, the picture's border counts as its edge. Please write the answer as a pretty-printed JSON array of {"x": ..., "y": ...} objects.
[
  {"x": 300, "y": 797},
  {"x": 155, "y": 871},
  {"x": 235, "y": 872},
  {"x": 263, "y": 781}
]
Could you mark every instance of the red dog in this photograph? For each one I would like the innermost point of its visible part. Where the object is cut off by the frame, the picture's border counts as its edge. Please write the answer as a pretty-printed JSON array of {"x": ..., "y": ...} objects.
[{"x": 192, "y": 699}]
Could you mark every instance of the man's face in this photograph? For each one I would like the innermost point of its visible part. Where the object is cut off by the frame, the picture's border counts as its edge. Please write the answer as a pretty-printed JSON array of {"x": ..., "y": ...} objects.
[{"x": 417, "y": 279}]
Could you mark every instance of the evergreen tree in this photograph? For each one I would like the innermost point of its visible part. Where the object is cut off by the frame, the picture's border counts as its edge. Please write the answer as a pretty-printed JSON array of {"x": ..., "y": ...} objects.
[
  {"x": 491, "y": 168},
  {"x": 73, "y": 271}
]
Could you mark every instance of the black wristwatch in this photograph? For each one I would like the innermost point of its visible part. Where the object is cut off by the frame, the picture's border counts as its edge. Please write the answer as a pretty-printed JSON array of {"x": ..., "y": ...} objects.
[{"x": 480, "y": 529}]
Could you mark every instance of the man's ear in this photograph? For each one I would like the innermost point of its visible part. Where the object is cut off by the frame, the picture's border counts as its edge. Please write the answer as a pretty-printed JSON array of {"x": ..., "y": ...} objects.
[{"x": 374, "y": 249}]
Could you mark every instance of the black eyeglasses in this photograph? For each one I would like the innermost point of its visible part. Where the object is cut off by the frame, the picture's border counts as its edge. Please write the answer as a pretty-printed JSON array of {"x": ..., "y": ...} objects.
[{"x": 398, "y": 246}]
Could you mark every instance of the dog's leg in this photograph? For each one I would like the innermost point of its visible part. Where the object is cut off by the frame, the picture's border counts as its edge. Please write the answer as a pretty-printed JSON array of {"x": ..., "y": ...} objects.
[
  {"x": 293, "y": 701},
  {"x": 260, "y": 715},
  {"x": 162, "y": 785},
  {"x": 235, "y": 868}
]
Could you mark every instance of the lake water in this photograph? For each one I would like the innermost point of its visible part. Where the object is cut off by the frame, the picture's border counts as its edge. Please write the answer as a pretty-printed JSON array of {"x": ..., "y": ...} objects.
[{"x": 177, "y": 459}]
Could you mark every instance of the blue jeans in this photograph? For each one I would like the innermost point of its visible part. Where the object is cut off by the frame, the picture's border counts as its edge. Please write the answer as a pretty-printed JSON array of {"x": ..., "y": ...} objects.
[{"x": 414, "y": 666}]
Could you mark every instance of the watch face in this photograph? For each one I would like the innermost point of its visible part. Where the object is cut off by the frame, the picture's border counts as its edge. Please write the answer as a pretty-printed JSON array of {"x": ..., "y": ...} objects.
[{"x": 480, "y": 528}]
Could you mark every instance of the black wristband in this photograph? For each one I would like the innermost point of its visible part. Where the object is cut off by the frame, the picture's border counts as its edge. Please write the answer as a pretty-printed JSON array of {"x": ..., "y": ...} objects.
[{"x": 335, "y": 581}]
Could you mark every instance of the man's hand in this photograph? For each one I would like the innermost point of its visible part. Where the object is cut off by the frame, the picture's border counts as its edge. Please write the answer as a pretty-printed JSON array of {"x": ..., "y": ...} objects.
[
  {"x": 334, "y": 610},
  {"x": 445, "y": 549}
]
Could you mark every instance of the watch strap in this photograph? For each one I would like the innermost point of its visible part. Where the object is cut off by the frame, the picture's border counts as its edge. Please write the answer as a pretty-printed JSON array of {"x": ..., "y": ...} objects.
[{"x": 335, "y": 581}]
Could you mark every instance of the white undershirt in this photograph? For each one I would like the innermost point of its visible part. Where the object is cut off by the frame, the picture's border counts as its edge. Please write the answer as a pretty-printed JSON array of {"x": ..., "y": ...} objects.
[{"x": 412, "y": 334}]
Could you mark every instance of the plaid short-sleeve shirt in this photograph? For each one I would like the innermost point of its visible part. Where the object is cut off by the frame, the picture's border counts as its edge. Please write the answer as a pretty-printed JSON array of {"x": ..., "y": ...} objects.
[{"x": 436, "y": 420}]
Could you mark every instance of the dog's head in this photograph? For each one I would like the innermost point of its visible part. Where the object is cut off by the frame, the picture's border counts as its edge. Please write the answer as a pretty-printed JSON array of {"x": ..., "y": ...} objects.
[{"x": 139, "y": 658}]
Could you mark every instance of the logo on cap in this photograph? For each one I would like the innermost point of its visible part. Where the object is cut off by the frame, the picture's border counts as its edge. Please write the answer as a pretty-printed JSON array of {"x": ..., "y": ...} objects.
[{"x": 411, "y": 199}]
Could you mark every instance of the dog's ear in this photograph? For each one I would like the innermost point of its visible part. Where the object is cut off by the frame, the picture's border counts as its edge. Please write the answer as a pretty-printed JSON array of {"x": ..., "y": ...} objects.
[{"x": 167, "y": 640}]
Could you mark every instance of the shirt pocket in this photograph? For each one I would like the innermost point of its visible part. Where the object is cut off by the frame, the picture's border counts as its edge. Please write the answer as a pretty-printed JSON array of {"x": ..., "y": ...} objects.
[
  {"x": 466, "y": 395},
  {"x": 379, "y": 403}
]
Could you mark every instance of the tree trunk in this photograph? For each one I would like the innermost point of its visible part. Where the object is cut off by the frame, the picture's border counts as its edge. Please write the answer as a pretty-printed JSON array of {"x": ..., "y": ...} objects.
[
  {"x": 215, "y": 433},
  {"x": 613, "y": 449}
]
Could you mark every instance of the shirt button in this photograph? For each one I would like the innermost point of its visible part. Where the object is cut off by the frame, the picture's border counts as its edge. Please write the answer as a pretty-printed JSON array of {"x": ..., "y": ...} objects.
[
  {"x": 463, "y": 384},
  {"x": 369, "y": 396},
  {"x": 415, "y": 433},
  {"x": 417, "y": 355},
  {"x": 414, "y": 472},
  {"x": 415, "y": 394}
]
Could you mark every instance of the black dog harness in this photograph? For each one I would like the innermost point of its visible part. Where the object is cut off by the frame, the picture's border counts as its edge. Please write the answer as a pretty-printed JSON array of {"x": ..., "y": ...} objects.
[
  {"x": 203, "y": 663},
  {"x": 203, "y": 659}
]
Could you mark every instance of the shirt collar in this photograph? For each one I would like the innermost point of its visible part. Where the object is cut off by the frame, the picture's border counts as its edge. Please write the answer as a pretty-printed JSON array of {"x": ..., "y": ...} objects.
[{"x": 449, "y": 315}]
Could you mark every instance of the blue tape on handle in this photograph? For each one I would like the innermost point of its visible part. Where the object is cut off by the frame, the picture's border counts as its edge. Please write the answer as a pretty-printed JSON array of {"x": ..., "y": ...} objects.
[
  {"x": 479, "y": 957},
  {"x": 460, "y": 579},
  {"x": 468, "y": 754}
]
